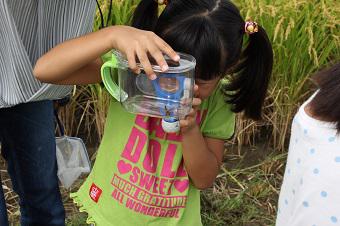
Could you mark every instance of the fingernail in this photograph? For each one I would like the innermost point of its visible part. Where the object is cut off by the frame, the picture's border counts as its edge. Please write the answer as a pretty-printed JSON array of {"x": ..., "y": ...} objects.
[
  {"x": 177, "y": 58},
  {"x": 165, "y": 67},
  {"x": 153, "y": 77}
]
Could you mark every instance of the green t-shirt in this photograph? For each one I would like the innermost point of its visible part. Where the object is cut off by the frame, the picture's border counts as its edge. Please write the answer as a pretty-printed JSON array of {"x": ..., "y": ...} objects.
[{"x": 139, "y": 178}]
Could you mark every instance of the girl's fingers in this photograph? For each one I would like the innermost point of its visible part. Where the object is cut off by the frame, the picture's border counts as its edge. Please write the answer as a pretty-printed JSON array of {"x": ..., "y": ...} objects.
[
  {"x": 196, "y": 102},
  {"x": 183, "y": 123},
  {"x": 189, "y": 121},
  {"x": 159, "y": 58},
  {"x": 165, "y": 48},
  {"x": 192, "y": 113},
  {"x": 196, "y": 92},
  {"x": 131, "y": 57},
  {"x": 155, "y": 47},
  {"x": 144, "y": 60}
]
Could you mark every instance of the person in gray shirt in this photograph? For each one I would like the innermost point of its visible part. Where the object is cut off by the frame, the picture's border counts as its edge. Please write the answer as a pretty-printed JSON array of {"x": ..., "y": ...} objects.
[{"x": 28, "y": 29}]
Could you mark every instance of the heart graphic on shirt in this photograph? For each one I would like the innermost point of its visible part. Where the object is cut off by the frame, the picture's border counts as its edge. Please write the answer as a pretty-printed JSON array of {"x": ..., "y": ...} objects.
[
  {"x": 123, "y": 167},
  {"x": 181, "y": 185}
]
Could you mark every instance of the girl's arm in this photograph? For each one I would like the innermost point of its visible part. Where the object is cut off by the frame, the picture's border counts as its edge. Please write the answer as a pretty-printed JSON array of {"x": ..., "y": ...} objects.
[
  {"x": 77, "y": 61},
  {"x": 202, "y": 157}
]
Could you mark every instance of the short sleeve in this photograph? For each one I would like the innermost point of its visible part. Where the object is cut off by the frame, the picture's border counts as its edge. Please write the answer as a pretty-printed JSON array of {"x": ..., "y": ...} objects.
[
  {"x": 62, "y": 20},
  {"x": 218, "y": 121}
]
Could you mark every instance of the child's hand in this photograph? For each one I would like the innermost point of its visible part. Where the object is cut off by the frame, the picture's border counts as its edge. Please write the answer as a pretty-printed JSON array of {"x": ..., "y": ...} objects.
[
  {"x": 190, "y": 120},
  {"x": 134, "y": 42}
]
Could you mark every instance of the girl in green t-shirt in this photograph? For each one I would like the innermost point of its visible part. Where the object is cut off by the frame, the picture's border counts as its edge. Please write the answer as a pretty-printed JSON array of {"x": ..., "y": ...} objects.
[{"x": 142, "y": 175}]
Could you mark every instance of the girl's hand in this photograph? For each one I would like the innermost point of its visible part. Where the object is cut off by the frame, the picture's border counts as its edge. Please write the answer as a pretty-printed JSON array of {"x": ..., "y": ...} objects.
[
  {"x": 190, "y": 120},
  {"x": 138, "y": 43}
]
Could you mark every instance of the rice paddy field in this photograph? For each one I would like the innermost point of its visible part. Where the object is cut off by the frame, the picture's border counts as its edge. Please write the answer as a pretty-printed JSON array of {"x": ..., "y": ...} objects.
[{"x": 305, "y": 38}]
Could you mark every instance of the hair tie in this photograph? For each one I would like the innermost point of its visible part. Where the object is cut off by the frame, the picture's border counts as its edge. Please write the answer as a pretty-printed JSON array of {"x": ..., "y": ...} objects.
[
  {"x": 250, "y": 27},
  {"x": 162, "y": 2}
]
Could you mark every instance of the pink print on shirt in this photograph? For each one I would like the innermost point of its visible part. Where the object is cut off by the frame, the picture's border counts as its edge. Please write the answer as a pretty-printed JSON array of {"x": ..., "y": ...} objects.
[{"x": 138, "y": 185}]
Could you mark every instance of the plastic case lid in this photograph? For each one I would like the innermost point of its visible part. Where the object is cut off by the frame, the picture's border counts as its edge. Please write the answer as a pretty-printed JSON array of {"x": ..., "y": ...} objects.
[{"x": 186, "y": 63}]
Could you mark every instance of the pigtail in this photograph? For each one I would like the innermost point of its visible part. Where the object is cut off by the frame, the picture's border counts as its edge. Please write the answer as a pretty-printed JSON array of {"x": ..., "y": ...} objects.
[
  {"x": 251, "y": 76},
  {"x": 145, "y": 15},
  {"x": 325, "y": 104}
]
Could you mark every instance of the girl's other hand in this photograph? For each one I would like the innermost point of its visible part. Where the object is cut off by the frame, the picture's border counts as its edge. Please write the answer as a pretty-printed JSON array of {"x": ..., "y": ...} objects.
[
  {"x": 190, "y": 120},
  {"x": 139, "y": 43}
]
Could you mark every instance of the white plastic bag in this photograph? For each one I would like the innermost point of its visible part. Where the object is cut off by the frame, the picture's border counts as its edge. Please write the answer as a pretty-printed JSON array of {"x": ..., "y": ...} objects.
[{"x": 72, "y": 159}]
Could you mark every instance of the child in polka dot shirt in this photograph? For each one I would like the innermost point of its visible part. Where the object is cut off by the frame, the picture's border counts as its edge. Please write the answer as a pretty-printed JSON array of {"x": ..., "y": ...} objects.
[{"x": 310, "y": 193}]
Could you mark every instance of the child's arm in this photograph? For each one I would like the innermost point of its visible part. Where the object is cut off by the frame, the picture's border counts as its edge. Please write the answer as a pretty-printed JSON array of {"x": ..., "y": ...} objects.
[
  {"x": 202, "y": 155},
  {"x": 77, "y": 61}
]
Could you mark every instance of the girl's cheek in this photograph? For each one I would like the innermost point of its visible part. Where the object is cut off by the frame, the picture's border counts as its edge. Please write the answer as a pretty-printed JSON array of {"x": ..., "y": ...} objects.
[{"x": 203, "y": 95}]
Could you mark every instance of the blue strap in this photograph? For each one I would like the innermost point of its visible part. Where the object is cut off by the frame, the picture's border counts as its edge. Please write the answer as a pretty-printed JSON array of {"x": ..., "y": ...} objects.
[{"x": 168, "y": 95}]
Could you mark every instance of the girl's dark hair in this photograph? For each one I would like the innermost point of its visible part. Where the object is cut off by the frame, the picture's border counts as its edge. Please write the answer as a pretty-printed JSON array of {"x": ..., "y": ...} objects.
[
  {"x": 326, "y": 103},
  {"x": 213, "y": 32}
]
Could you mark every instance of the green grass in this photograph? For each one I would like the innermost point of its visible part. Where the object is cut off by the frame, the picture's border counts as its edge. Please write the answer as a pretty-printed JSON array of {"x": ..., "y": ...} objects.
[
  {"x": 245, "y": 193},
  {"x": 78, "y": 219}
]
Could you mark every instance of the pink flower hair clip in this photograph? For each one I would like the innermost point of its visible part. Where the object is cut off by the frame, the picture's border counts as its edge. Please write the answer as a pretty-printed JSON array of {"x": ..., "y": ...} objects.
[{"x": 251, "y": 27}]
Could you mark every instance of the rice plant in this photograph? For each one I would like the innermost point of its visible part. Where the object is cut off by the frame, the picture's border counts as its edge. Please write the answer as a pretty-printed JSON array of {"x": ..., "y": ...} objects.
[{"x": 305, "y": 38}]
